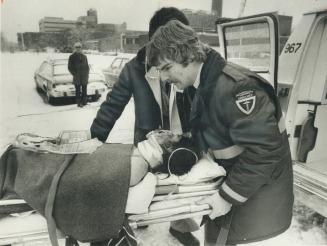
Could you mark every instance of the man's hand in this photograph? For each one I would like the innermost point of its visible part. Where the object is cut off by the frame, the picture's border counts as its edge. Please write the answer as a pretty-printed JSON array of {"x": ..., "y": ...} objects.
[{"x": 219, "y": 205}]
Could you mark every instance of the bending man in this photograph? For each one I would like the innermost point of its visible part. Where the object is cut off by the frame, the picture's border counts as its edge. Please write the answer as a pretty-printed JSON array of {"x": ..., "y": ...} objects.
[{"x": 237, "y": 119}]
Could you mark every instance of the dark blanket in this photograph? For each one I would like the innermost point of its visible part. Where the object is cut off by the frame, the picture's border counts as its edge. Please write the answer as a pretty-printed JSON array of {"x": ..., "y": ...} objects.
[{"x": 91, "y": 195}]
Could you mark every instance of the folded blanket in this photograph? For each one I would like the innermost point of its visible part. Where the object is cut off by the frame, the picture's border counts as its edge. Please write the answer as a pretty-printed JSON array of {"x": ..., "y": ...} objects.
[{"x": 91, "y": 195}]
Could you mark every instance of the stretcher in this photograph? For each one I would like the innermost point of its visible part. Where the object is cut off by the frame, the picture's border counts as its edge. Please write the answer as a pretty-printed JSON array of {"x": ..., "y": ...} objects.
[
  {"x": 176, "y": 206},
  {"x": 27, "y": 227}
]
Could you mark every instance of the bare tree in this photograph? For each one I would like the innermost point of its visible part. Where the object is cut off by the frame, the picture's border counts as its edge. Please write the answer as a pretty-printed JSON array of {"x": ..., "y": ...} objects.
[{"x": 242, "y": 7}]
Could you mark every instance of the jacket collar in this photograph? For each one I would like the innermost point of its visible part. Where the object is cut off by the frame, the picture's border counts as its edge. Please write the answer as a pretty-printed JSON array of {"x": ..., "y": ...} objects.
[
  {"x": 197, "y": 79},
  {"x": 140, "y": 56},
  {"x": 211, "y": 70}
]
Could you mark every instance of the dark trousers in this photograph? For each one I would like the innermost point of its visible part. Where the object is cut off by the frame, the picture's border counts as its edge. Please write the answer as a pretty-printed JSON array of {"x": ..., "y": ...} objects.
[{"x": 81, "y": 93}]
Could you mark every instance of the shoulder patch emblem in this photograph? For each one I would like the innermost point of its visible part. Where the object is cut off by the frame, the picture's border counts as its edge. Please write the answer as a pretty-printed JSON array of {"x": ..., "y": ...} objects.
[{"x": 245, "y": 101}]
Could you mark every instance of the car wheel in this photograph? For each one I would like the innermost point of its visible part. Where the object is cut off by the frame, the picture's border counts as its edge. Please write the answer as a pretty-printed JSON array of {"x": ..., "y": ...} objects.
[
  {"x": 95, "y": 98},
  {"x": 38, "y": 89}
]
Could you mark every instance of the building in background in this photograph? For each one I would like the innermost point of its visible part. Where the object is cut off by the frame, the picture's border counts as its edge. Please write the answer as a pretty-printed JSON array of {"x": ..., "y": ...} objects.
[
  {"x": 55, "y": 24},
  {"x": 39, "y": 41},
  {"x": 92, "y": 17},
  {"x": 106, "y": 37},
  {"x": 132, "y": 41},
  {"x": 90, "y": 20},
  {"x": 112, "y": 37},
  {"x": 201, "y": 21},
  {"x": 85, "y": 29}
]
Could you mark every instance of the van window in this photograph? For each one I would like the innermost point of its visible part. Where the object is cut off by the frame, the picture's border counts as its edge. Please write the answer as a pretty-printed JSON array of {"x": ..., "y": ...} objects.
[{"x": 249, "y": 46}]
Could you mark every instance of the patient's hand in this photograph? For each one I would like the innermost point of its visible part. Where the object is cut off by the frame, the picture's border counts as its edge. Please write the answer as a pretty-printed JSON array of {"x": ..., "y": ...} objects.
[{"x": 139, "y": 167}]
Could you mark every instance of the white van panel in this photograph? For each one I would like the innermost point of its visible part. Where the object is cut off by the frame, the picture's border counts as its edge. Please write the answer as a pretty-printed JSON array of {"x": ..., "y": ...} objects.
[{"x": 314, "y": 70}]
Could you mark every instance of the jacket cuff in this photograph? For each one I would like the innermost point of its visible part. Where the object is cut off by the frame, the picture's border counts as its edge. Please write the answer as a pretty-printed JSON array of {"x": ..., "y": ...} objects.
[
  {"x": 99, "y": 137},
  {"x": 230, "y": 195}
]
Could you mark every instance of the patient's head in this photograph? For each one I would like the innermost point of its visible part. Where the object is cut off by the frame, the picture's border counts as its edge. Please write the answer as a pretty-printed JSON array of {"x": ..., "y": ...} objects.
[
  {"x": 179, "y": 152},
  {"x": 181, "y": 160}
]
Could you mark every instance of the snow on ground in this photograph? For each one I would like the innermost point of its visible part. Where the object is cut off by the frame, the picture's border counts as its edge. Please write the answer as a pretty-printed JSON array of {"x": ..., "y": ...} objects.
[{"x": 22, "y": 109}]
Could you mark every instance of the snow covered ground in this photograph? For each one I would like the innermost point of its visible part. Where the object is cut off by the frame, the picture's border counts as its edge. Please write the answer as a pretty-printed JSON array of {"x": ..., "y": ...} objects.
[{"x": 23, "y": 109}]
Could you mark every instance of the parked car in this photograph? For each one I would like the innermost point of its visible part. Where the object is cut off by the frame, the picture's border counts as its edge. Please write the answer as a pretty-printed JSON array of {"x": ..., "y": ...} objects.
[
  {"x": 112, "y": 72},
  {"x": 54, "y": 79}
]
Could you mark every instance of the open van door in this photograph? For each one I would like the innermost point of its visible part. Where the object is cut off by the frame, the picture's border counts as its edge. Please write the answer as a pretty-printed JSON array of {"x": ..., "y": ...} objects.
[{"x": 252, "y": 42}]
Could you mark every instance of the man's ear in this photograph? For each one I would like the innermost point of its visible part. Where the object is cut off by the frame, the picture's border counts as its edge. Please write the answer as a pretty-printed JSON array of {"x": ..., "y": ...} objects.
[{"x": 188, "y": 61}]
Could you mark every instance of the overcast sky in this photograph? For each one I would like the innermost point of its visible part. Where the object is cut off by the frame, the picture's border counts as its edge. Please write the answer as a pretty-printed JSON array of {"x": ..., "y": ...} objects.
[{"x": 24, "y": 15}]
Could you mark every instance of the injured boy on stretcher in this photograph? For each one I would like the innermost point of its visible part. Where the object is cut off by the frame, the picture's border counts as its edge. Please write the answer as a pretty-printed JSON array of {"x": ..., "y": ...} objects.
[{"x": 87, "y": 194}]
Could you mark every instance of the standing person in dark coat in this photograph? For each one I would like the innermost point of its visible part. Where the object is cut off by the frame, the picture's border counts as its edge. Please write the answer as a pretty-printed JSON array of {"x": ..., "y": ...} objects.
[
  {"x": 237, "y": 120},
  {"x": 151, "y": 107},
  {"x": 78, "y": 66}
]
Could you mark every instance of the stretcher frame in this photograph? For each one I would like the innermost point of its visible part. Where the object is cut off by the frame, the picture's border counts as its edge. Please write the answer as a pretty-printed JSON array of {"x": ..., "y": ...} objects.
[
  {"x": 21, "y": 236},
  {"x": 41, "y": 233}
]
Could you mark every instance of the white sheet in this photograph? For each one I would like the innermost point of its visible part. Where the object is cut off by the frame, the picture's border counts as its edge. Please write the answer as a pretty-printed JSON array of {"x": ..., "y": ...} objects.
[{"x": 140, "y": 195}]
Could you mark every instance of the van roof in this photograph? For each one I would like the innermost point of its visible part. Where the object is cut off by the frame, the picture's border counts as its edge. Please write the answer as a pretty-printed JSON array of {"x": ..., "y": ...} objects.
[
  {"x": 57, "y": 61},
  {"x": 316, "y": 11}
]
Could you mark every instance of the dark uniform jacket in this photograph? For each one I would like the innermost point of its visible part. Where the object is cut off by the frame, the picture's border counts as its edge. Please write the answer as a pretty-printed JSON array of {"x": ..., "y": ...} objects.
[
  {"x": 237, "y": 118},
  {"x": 131, "y": 81},
  {"x": 78, "y": 66}
]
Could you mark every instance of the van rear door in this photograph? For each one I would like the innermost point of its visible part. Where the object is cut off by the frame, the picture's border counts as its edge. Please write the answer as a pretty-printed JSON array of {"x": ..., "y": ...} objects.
[{"x": 252, "y": 42}]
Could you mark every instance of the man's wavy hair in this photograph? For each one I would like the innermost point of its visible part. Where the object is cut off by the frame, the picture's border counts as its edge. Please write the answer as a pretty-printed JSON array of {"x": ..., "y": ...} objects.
[{"x": 177, "y": 42}]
